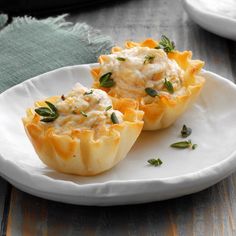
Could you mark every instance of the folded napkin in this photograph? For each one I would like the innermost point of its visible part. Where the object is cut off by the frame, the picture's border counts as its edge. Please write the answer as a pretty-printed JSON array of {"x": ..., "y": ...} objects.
[
  {"x": 3, "y": 20},
  {"x": 29, "y": 47}
]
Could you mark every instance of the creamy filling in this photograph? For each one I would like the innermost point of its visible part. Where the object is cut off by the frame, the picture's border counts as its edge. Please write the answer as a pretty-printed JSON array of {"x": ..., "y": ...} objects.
[
  {"x": 84, "y": 109},
  {"x": 141, "y": 67}
]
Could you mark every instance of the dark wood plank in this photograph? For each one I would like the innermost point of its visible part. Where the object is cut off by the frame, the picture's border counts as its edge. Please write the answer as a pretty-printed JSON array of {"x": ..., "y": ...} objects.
[
  {"x": 27, "y": 215},
  {"x": 3, "y": 187},
  {"x": 210, "y": 212},
  {"x": 34, "y": 216},
  {"x": 4, "y": 205}
]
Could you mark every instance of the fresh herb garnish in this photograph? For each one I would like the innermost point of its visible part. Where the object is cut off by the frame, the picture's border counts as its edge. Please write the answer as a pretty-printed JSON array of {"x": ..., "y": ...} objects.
[
  {"x": 43, "y": 111},
  {"x": 186, "y": 131},
  {"x": 48, "y": 119},
  {"x": 184, "y": 144},
  {"x": 83, "y": 114},
  {"x": 49, "y": 113},
  {"x": 166, "y": 44},
  {"x": 148, "y": 59},
  {"x": 63, "y": 97},
  {"x": 155, "y": 162},
  {"x": 169, "y": 86},
  {"x": 88, "y": 92},
  {"x": 52, "y": 107},
  {"x": 120, "y": 58},
  {"x": 151, "y": 92},
  {"x": 108, "y": 108},
  {"x": 114, "y": 118},
  {"x": 106, "y": 80}
]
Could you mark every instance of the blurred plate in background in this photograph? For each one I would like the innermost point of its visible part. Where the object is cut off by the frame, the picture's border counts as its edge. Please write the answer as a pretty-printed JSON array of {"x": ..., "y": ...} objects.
[{"x": 218, "y": 17}]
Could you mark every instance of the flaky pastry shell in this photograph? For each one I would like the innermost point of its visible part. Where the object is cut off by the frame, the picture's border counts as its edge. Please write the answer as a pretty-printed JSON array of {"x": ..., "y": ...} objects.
[
  {"x": 163, "y": 110},
  {"x": 79, "y": 152}
]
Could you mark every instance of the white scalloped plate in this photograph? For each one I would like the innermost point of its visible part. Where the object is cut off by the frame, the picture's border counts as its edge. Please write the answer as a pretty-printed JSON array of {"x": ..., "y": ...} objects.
[
  {"x": 212, "y": 119},
  {"x": 217, "y": 16}
]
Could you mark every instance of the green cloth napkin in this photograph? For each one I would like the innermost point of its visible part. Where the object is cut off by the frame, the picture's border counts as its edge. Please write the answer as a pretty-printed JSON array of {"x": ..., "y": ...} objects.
[
  {"x": 29, "y": 47},
  {"x": 3, "y": 20}
]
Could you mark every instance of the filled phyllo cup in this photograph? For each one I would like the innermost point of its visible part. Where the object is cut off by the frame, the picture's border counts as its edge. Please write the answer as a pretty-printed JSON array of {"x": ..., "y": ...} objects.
[
  {"x": 82, "y": 132},
  {"x": 163, "y": 81}
]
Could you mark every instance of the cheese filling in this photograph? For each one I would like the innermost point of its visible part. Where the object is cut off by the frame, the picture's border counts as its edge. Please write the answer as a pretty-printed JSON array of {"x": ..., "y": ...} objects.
[
  {"x": 84, "y": 109},
  {"x": 137, "y": 68}
]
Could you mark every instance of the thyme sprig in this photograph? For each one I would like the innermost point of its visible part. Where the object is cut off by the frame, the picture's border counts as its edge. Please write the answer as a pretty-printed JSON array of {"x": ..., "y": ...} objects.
[
  {"x": 166, "y": 44},
  {"x": 49, "y": 113}
]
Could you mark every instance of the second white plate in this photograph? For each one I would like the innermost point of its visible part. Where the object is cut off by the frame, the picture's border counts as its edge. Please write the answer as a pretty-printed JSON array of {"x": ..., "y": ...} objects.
[
  {"x": 218, "y": 17},
  {"x": 212, "y": 119}
]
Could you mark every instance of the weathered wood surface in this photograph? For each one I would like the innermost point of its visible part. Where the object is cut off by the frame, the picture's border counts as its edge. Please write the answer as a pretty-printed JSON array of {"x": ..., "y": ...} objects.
[
  {"x": 210, "y": 212},
  {"x": 5, "y": 190}
]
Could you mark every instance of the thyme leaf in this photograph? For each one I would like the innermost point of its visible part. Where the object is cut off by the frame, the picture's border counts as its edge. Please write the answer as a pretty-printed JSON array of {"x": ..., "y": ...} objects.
[
  {"x": 184, "y": 144},
  {"x": 83, "y": 114},
  {"x": 148, "y": 59},
  {"x": 158, "y": 47},
  {"x": 44, "y": 111},
  {"x": 108, "y": 108},
  {"x": 106, "y": 80},
  {"x": 48, "y": 119},
  {"x": 151, "y": 92},
  {"x": 166, "y": 44},
  {"x": 52, "y": 107},
  {"x": 169, "y": 86},
  {"x": 114, "y": 118},
  {"x": 186, "y": 131},
  {"x": 121, "y": 59},
  {"x": 88, "y": 92},
  {"x": 49, "y": 113},
  {"x": 155, "y": 162}
]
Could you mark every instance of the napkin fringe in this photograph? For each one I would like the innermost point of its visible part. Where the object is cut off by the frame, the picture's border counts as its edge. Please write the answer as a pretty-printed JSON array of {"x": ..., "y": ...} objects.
[
  {"x": 96, "y": 42},
  {"x": 30, "y": 47}
]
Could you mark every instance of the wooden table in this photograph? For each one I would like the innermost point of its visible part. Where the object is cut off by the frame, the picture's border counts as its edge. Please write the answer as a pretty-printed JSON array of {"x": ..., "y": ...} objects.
[{"x": 210, "y": 212}]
